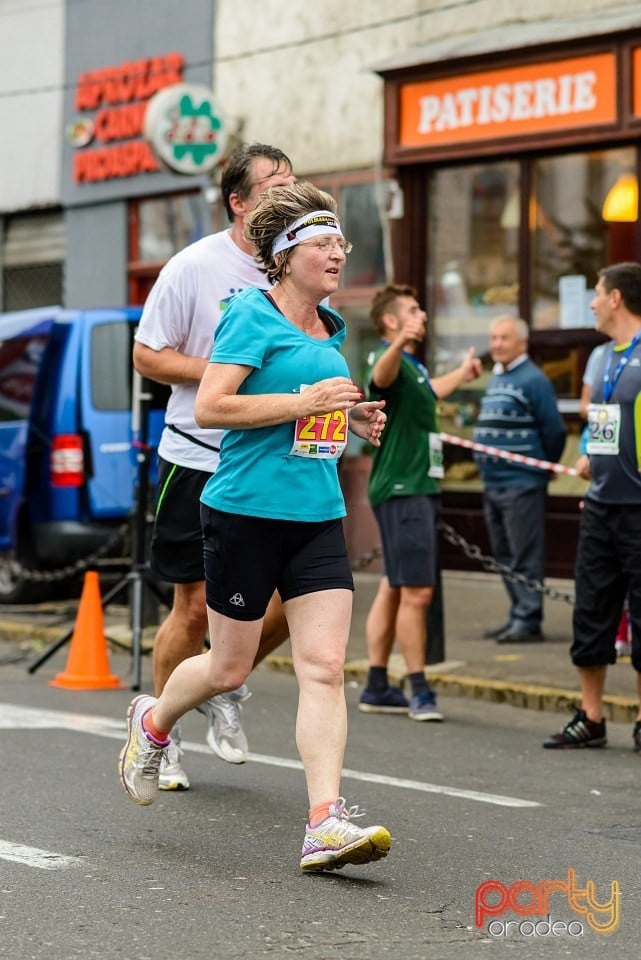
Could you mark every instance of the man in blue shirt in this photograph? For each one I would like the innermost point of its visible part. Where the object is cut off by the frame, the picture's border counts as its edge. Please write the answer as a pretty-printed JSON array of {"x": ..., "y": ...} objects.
[
  {"x": 519, "y": 413},
  {"x": 608, "y": 563}
]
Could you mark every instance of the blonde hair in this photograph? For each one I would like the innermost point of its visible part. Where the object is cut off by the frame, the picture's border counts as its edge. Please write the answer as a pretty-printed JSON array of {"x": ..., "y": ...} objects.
[{"x": 277, "y": 209}]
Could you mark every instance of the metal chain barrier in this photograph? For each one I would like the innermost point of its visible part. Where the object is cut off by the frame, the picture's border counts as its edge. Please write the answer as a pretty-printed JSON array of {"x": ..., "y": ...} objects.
[
  {"x": 92, "y": 561},
  {"x": 488, "y": 563},
  {"x": 493, "y": 566}
]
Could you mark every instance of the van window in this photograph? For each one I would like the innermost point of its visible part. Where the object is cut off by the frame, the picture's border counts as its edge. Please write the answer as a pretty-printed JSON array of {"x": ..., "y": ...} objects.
[
  {"x": 20, "y": 360},
  {"x": 111, "y": 345},
  {"x": 112, "y": 369}
]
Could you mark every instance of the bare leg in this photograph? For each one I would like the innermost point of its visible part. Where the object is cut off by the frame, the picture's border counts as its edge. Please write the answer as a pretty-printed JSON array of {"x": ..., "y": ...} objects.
[
  {"x": 275, "y": 629},
  {"x": 319, "y": 624},
  {"x": 222, "y": 668},
  {"x": 182, "y": 634},
  {"x": 592, "y": 687},
  {"x": 411, "y": 627},
  {"x": 380, "y": 627}
]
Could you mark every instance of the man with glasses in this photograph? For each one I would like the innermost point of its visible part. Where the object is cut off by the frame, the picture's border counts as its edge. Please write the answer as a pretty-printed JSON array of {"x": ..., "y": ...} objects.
[{"x": 173, "y": 346}]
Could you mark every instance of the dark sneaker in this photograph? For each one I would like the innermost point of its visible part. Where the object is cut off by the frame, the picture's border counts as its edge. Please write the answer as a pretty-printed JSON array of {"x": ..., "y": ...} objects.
[
  {"x": 496, "y": 631},
  {"x": 520, "y": 635},
  {"x": 579, "y": 732},
  {"x": 423, "y": 707},
  {"x": 636, "y": 736},
  {"x": 390, "y": 700}
]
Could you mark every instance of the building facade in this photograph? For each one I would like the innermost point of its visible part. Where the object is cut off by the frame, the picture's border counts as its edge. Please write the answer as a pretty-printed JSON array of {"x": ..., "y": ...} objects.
[{"x": 472, "y": 145}]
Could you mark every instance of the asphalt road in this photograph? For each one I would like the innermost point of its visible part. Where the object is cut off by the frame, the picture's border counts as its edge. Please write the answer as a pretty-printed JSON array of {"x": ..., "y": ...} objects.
[{"x": 213, "y": 873}]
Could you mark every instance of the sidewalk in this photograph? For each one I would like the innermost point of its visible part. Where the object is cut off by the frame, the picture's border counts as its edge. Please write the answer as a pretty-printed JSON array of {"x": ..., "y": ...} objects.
[{"x": 537, "y": 676}]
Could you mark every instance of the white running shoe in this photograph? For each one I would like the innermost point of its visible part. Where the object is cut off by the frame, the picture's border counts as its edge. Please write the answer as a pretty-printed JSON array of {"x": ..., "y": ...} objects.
[
  {"x": 337, "y": 841},
  {"x": 225, "y": 734},
  {"x": 139, "y": 763},
  {"x": 172, "y": 775}
]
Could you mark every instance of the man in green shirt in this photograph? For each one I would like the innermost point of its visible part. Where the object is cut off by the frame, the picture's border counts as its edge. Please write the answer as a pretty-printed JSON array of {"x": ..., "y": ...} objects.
[{"x": 404, "y": 494}]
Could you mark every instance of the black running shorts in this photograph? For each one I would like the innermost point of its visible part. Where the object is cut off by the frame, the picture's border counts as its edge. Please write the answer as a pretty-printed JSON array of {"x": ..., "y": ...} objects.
[
  {"x": 248, "y": 558},
  {"x": 176, "y": 553},
  {"x": 608, "y": 567}
]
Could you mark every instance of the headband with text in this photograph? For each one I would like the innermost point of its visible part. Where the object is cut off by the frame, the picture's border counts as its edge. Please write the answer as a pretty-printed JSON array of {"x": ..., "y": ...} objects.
[{"x": 315, "y": 224}]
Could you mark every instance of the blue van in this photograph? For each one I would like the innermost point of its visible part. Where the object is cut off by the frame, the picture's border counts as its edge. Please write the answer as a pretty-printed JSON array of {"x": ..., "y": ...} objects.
[{"x": 68, "y": 464}]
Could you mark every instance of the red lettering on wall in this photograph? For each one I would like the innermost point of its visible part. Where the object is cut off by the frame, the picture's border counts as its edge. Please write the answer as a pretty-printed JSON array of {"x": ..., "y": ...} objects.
[
  {"x": 119, "y": 94},
  {"x": 107, "y": 163},
  {"x": 120, "y": 123},
  {"x": 133, "y": 80}
]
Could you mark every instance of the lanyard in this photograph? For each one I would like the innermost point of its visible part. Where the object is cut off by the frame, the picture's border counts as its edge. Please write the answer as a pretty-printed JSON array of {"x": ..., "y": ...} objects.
[{"x": 610, "y": 379}]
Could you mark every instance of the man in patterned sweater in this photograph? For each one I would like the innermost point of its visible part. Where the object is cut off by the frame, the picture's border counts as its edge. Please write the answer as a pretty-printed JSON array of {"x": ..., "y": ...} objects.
[{"x": 519, "y": 413}]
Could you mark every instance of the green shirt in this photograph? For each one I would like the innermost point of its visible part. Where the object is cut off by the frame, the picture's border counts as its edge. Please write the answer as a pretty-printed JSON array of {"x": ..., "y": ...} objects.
[{"x": 401, "y": 464}]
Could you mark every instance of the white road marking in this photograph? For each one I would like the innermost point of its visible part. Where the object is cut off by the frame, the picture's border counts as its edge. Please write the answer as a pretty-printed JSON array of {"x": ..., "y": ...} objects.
[
  {"x": 402, "y": 784},
  {"x": 14, "y": 717},
  {"x": 33, "y": 857}
]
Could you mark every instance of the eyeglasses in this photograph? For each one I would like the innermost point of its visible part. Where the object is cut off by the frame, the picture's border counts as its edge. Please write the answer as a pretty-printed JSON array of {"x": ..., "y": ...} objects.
[{"x": 325, "y": 244}]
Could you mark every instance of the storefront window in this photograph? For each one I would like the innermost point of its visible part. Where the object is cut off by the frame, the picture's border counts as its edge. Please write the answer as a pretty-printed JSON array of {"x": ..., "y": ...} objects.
[
  {"x": 572, "y": 234},
  {"x": 474, "y": 219},
  {"x": 167, "y": 224},
  {"x": 361, "y": 223}
]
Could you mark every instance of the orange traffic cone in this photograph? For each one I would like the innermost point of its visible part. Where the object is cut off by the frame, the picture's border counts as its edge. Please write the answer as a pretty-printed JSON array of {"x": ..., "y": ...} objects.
[{"x": 88, "y": 662}]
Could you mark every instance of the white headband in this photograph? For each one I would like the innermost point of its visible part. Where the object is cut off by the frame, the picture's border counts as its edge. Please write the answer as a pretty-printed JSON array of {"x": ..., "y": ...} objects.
[{"x": 311, "y": 225}]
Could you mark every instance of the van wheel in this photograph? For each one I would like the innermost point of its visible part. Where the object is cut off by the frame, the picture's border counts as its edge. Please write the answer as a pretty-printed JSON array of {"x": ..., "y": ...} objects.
[{"x": 13, "y": 589}]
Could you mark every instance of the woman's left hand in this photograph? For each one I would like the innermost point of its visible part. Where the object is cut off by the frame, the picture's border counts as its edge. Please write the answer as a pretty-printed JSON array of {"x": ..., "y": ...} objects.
[{"x": 367, "y": 420}]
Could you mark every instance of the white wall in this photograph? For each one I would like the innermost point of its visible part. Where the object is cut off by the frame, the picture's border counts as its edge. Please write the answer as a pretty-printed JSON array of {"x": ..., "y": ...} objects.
[
  {"x": 31, "y": 72},
  {"x": 300, "y": 73}
]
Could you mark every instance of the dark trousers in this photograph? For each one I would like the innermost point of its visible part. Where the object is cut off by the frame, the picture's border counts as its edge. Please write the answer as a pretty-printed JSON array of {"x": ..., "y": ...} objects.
[{"x": 515, "y": 520}]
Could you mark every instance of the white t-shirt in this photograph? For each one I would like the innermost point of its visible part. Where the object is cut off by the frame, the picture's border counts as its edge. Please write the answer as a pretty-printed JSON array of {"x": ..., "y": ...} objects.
[{"x": 182, "y": 311}]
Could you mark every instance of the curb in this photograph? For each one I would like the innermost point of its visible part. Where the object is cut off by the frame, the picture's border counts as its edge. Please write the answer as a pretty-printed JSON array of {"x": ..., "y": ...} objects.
[{"x": 528, "y": 696}]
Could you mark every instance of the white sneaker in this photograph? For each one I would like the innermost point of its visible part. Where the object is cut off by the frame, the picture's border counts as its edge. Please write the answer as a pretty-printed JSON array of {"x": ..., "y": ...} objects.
[
  {"x": 139, "y": 762},
  {"x": 172, "y": 776},
  {"x": 337, "y": 841},
  {"x": 225, "y": 734}
]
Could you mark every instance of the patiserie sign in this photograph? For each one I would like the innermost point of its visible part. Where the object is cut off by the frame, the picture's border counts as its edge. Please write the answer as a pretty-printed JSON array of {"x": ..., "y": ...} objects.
[
  {"x": 537, "y": 98},
  {"x": 111, "y": 102}
]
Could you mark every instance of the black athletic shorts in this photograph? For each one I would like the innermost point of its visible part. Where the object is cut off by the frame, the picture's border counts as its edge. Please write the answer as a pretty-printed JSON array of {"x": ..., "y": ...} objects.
[
  {"x": 408, "y": 527},
  {"x": 608, "y": 567},
  {"x": 248, "y": 558},
  {"x": 176, "y": 553}
]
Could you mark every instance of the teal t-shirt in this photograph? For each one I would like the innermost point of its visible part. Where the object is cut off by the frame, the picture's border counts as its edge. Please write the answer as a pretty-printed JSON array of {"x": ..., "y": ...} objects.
[
  {"x": 400, "y": 466},
  {"x": 257, "y": 475}
]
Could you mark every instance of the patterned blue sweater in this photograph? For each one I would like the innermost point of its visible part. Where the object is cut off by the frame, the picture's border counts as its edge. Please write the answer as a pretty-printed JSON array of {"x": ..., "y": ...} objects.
[{"x": 519, "y": 413}]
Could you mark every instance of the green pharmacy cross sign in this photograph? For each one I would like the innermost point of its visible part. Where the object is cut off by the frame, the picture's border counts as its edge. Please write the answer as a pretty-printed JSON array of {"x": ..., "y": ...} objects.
[{"x": 185, "y": 128}]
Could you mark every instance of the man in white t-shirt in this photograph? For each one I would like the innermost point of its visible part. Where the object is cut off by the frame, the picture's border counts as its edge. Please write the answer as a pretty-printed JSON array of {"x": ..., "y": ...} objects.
[{"x": 173, "y": 346}]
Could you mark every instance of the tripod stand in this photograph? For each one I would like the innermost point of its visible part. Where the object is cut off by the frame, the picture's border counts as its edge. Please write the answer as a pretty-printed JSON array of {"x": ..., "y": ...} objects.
[{"x": 138, "y": 576}]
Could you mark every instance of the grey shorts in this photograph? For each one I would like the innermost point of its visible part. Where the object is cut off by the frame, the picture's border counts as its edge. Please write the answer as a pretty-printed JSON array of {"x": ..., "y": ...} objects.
[{"x": 408, "y": 527}]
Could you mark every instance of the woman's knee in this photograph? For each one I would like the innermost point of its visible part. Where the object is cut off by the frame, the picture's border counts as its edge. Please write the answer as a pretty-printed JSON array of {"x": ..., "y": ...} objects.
[{"x": 223, "y": 678}]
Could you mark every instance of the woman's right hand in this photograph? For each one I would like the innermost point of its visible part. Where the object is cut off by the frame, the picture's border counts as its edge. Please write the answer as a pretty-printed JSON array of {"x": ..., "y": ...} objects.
[{"x": 325, "y": 396}]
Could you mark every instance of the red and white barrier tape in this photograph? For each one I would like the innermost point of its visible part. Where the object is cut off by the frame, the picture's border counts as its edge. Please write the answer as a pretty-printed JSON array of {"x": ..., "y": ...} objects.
[{"x": 506, "y": 455}]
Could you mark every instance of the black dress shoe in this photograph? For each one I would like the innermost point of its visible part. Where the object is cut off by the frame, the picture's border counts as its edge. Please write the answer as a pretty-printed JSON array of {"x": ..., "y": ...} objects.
[
  {"x": 516, "y": 635},
  {"x": 496, "y": 632}
]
